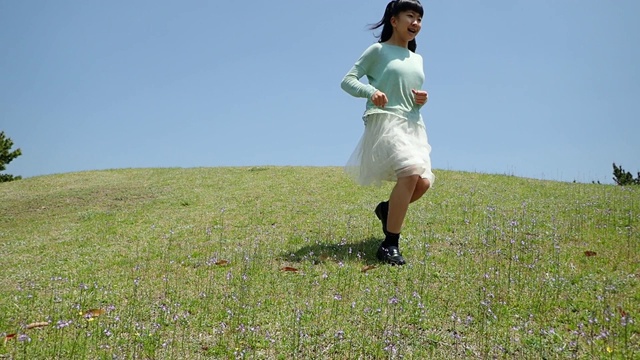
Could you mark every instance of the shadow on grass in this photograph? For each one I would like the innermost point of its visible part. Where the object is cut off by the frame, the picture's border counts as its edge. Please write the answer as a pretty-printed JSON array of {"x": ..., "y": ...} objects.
[{"x": 362, "y": 251}]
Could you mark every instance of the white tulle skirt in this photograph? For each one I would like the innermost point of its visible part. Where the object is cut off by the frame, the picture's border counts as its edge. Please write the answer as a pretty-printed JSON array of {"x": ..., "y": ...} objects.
[{"x": 391, "y": 147}]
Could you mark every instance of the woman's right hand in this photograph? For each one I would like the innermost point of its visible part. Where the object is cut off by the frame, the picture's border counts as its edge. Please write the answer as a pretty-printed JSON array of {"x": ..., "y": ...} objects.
[{"x": 379, "y": 99}]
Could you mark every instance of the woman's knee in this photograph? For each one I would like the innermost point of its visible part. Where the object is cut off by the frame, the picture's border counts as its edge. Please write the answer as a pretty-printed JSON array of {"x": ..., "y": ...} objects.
[
  {"x": 424, "y": 183},
  {"x": 421, "y": 187}
]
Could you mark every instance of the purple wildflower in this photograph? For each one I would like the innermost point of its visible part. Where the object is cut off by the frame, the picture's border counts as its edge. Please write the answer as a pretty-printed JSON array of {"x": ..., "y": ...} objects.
[{"x": 62, "y": 324}]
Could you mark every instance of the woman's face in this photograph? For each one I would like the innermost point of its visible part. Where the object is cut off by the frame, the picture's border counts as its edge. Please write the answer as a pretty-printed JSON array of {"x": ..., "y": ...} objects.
[{"x": 407, "y": 25}]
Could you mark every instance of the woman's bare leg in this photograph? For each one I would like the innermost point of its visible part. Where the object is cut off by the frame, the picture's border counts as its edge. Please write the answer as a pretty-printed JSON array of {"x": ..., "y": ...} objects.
[
  {"x": 421, "y": 187},
  {"x": 407, "y": 190},
  {"x": 399, "y": 200}
]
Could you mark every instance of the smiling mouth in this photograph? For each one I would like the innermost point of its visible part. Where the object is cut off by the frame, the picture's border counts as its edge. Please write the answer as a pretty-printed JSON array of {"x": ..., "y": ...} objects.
[{"x": 413, "y": 31}]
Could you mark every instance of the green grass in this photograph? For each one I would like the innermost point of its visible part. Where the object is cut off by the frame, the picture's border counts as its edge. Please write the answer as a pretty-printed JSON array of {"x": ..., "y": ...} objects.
[{"x": 186, "y": 264}]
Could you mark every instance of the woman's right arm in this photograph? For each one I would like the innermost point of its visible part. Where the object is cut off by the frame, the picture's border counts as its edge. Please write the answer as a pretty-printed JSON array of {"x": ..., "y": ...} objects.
[
  {"x": 353, "y": 86},
  {"x": 351, "y": 82}
]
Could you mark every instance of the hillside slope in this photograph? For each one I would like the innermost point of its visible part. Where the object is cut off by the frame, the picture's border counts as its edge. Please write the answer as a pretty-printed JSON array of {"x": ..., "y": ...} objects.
[{"x": 506, "y": 258}]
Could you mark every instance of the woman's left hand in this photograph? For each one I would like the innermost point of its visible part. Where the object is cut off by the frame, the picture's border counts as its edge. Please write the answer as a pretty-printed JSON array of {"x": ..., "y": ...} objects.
[{"x": 421, "y": 97}]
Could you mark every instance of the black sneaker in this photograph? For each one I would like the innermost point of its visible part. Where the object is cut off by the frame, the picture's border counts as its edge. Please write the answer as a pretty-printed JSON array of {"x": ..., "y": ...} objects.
[
  {"x": 382, "y": 210},
  {"x": 390, "y": 255}
]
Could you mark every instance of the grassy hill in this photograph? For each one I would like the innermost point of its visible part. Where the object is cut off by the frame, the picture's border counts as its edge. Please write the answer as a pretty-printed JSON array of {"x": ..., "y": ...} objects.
[{"x": 279, "y": 262}]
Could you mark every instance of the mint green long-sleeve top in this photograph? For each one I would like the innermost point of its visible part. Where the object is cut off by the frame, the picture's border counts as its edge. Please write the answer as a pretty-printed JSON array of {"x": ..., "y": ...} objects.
[{"x": 395, "y": 71}]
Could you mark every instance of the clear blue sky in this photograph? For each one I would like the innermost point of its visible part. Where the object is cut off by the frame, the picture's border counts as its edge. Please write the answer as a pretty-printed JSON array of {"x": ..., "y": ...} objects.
[{"x": 545, "y": 89}]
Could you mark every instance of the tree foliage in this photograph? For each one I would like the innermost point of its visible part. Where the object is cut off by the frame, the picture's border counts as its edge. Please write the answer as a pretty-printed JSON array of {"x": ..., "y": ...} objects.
[
  {"x": 622, "y": 177},
  {"x": 6, "y": 156}
]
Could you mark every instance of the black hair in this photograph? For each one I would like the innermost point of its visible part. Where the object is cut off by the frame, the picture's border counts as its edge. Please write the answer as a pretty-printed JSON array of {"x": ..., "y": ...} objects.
[{"x": 394, "y": 8}]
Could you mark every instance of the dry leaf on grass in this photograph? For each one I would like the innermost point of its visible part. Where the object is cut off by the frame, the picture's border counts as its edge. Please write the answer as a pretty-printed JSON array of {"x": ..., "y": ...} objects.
[
  {"x": 590, "y": 253},
  {"x": 9, "y": 337},
  {"x": 622, "y": 312},
  {"x": 289, "y": 269},
  {"x": 92, "y": 313},
  {"x": 37, "y": 325},
  {"x": 367, "y": 268}
]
